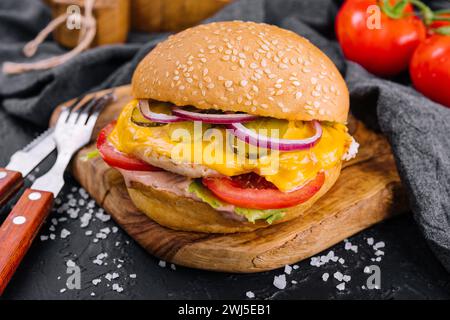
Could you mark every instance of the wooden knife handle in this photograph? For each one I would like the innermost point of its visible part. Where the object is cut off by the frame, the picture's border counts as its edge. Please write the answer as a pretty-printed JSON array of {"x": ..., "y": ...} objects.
[
  {"x": 10, "y": 183},
  {"x": 19, "y": 229}
]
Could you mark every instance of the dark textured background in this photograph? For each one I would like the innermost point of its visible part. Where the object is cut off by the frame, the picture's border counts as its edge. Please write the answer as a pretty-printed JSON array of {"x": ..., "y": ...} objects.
[{"x": 417, "y": 128}]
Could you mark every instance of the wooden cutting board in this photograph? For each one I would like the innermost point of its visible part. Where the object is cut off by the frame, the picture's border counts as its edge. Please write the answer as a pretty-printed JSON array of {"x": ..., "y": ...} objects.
[{"x": 367, "y": 191}]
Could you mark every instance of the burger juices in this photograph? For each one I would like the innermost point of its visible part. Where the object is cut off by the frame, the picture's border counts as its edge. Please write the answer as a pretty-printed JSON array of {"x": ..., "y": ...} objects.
[{"x": 234, "y": 126}]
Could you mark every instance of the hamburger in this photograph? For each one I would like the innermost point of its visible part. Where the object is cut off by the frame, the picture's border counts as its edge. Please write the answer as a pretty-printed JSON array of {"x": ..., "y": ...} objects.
[{"x": 234, "y": 126}]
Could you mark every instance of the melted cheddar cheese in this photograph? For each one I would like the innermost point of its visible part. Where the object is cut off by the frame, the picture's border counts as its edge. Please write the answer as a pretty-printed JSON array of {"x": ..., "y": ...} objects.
[{"x": 286, "y": 170}]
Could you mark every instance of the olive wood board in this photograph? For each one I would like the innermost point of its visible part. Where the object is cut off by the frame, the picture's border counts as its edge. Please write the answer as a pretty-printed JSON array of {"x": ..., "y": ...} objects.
[{"x": 368, "y": 191}]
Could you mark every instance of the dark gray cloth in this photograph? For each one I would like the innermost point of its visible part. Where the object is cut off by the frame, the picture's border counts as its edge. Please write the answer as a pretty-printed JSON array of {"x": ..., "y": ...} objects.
[{"x": 418, "y": 129}]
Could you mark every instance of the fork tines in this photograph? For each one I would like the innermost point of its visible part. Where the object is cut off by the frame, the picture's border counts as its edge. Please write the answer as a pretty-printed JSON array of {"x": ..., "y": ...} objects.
[{"x": 83, "y": 111}]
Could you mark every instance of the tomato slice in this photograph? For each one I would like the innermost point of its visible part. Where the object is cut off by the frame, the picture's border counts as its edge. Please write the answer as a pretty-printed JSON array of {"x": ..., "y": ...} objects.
[
  {"x": 118, "y": 159},
  {"x": 254, "y": 192}
]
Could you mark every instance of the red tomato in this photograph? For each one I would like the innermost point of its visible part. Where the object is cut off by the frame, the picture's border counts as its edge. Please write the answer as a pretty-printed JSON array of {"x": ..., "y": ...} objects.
[
  {"x": 118, "y": 159},
  {"x": 430, "y": 69},
  {"x": 254, "y": 192},
  {"x": 385, "y": 51}
]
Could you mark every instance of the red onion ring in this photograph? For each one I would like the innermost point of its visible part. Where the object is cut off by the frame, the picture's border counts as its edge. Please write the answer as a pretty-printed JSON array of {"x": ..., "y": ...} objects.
[
  {"x": 250, "y": 137},
  {"x": 213, "y": 118},
  {"x": 148, "y": 114}
]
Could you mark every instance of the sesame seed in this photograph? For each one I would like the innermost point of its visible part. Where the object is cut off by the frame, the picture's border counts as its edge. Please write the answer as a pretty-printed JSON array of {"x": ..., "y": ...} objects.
[
  {"x": 228, "y": 83},
  {"x": 311, "y": 112},
  {"x": 226, "y": 58},
  {"x": 279, "y": 92},
  {"x": 243, "y": 83},
  {"x": 181, "y": 88},
  {"x": 298, "y": 95},
  {"x": 315, "y": 94},
  {"x": 253, "y": 65},
  {"x": 277, "y": 85},
  {"x": 205, "y": 71},
  {"x": 210, "y": 85},
  {"x": 306, "y": 70},
  {"x": 283, "y": 66}
]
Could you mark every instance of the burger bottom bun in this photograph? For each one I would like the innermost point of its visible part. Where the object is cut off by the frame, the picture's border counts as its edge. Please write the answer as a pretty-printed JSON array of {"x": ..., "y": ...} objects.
[{"x": 185, "y": 214}]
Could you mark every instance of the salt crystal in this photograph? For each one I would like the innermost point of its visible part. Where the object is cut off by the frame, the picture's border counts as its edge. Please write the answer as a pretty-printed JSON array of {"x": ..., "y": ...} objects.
[
  {"x": 88, "y": 233},
  {"x": 96, "y": 281},
  {"x": 379, "y": 245},
  {"x": 85, "y": 219},
  {"x": 173, "y": 267},
  {"x": 379, "y": 253},
  {"x": 250, "y": 294},
  {"x": 102, "y": 216},
  {"x": 105, "y": 230},
  {"x": 295, "y": 267},
  {"x": 287, "y": 269},
  {"x": 44, "y": 238},
  {"x": 92, "y": 294},
  {"x": 115, "y": 229},
  {"x": 341, "y": 261},
  {"x": 65, "y": 233},
  {"x": 338, "y": 276},
  {"x": 366, "y": 270},
  {"x": 346, "y": 278},
  {"x": 370, "y": 241},
  {"x": 280, "y": 281},
  {"x": 62, "y": 290},
  {"x": 117, "y": 288},
  {"x": 162, "y": 263},
  {"x": 52, "y": 236},
  {"x": 70, "y": 263},
  {"x": 133, "y": 276},
  {"x": 100, "y": 236},
  {"x": 294, "y": 282},
  {"x": 54, "y": 221},
  {"x": 341, "y": 286},
  {"x": 325, "y": 276},
  {"x": 52, "y": 228}
]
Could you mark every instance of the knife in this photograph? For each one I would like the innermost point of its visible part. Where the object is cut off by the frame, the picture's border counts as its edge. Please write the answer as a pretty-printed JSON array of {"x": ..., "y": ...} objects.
[{"x": 23, "y": 162}]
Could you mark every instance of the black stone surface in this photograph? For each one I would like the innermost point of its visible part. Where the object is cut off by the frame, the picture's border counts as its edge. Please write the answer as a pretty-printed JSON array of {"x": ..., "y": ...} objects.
[{"x": 408, "y": 268}]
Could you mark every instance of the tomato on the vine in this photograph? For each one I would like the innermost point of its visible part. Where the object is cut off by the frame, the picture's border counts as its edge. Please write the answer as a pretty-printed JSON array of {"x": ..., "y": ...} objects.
[
  {"x": 384, "y": 51},
  {"x": 430, "y": 68}
]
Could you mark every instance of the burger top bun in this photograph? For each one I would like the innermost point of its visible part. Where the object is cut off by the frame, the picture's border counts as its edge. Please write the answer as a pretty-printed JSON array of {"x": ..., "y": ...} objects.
[{"x": 244, "y": 66}]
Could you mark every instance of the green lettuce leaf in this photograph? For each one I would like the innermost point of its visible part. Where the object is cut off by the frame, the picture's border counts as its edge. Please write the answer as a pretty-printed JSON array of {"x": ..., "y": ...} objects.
[{"x": 251, "y": 215}]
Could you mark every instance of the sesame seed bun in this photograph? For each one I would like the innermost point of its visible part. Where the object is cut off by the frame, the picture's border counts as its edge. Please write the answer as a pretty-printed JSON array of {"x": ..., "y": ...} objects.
[
  {"x": 244, "y": 66},
  {"x": 181, "y": 213}
]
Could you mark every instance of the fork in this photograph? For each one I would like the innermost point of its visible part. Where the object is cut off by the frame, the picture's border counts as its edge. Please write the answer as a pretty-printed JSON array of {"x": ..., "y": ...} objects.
[{"x": 73, "y": 131}]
